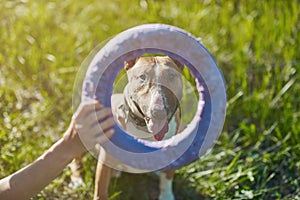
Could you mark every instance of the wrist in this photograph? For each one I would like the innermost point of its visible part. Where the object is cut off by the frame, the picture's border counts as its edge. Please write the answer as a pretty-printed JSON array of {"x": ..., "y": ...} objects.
[{"x": 72, "y": 141}]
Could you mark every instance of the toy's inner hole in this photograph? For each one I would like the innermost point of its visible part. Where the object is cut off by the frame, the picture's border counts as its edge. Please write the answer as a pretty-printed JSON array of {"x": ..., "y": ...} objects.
[{"x": 154, "y": 97}]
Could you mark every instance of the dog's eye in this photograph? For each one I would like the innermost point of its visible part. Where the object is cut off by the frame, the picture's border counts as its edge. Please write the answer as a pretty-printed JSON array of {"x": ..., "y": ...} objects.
[{"x": 142, "y": 77}]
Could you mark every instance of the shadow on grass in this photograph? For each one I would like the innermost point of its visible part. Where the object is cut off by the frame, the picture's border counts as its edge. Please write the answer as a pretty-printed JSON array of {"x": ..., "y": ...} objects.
[{"x": 146, "y": 187}]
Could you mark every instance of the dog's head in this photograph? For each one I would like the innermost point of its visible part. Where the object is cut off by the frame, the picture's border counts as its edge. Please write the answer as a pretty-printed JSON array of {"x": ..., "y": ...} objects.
[{"x": 153, "y": 91}]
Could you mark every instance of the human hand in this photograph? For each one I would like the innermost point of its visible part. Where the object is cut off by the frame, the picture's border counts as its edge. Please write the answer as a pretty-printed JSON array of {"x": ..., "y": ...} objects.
[{"x": 91, "y": 124}]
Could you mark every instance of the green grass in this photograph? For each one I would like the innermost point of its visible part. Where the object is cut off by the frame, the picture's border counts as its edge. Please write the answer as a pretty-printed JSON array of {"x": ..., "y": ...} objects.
[{"x": 255, "y": 43}]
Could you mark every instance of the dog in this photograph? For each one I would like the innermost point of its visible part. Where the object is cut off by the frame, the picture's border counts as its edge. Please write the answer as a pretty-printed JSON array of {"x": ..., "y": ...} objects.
[{"x": 147, "y": 109}]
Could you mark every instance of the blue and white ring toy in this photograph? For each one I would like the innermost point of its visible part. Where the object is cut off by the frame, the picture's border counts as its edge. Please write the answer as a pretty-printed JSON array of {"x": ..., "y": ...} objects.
[{"x": 205, "y": 127}]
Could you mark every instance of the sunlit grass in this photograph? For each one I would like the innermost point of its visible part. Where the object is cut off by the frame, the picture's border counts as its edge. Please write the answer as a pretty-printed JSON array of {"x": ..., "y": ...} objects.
[{"x": 255, "y": 43}]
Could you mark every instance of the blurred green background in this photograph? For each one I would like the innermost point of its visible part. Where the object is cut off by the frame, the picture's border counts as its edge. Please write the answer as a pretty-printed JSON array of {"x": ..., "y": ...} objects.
[{"x": 255, "y": 43}]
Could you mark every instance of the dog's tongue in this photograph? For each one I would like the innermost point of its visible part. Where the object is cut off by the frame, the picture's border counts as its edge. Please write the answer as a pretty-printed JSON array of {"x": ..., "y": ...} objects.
[
  {"x": 159, "y": 128},
  {"x": 161, "y": 134}
]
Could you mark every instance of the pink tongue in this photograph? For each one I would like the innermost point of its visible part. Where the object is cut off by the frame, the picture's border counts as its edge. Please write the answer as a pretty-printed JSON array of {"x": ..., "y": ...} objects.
[
  {"x": 161, "y": 134},
  {"x": 158, "y": 128}
]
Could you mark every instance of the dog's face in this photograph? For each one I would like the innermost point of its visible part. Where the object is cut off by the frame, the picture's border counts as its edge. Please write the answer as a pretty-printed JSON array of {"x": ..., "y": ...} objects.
[{"x": 154, "y": 90}]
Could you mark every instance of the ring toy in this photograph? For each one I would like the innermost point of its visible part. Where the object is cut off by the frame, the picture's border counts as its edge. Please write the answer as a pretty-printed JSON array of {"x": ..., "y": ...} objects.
[{"x": 200, "y": 134}]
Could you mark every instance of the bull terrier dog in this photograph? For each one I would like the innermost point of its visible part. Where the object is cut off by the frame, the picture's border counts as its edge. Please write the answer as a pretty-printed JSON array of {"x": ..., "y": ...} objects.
[{"x": 147, "y": 109}]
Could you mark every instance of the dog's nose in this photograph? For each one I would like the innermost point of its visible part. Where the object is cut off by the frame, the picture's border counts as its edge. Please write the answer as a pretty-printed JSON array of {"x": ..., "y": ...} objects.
[{"x": 158, "y": 113}]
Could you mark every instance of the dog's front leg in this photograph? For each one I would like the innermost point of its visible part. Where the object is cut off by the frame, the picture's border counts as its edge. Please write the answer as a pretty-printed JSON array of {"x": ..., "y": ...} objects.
[
  {"x": 165, "y": 185},
  {"x": 102, "y": 180},
  {"x": 76, "y": 176}
]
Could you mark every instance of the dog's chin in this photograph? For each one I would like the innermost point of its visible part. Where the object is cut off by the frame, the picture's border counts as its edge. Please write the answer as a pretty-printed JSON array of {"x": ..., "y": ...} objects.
[{"x": 158, "y": 128}]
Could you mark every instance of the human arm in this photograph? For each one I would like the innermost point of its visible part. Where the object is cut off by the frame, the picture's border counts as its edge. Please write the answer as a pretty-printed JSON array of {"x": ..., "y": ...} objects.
[{"x": 83, "y": 134}]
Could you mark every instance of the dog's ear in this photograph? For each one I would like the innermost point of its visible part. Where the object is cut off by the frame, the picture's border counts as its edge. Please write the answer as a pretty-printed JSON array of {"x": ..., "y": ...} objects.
[
  {"x": 179, "y": 64},
  {"x": 129, "y": 64}
]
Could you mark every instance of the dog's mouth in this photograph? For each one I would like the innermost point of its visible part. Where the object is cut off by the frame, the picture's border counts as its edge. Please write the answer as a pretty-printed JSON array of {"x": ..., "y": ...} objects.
[{"x": 157, "y": 127}]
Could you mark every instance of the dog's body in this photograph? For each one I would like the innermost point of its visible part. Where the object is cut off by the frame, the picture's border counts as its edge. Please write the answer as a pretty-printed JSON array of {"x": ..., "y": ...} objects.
[{"x": 147, "y": 109}]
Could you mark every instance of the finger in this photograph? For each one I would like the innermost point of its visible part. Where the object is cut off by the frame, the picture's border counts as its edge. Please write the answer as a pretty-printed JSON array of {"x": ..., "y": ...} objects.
[
  {"x": 95, "y": 117},
  {"x": 81, "y": 110},
  {"x": 107, "y": 123},
  {"x": 85, "y": 108},
  {"x": 101, "y": 138},
  {"x": 91, "y": 105},
  {"x": 101, "y": 126},
  {"x": 103, "y": 113},
  {"x": 109, "y": 133},
  {"x": 98, "y": 105}
]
